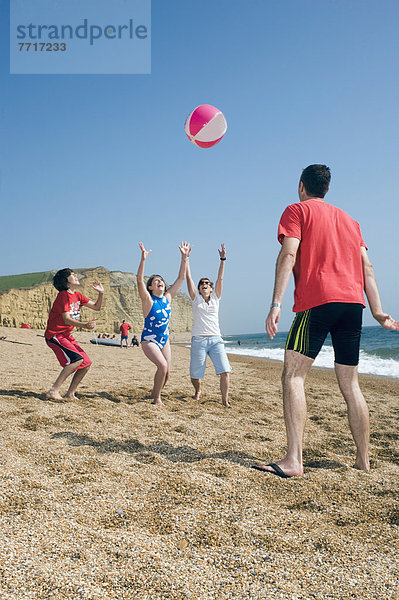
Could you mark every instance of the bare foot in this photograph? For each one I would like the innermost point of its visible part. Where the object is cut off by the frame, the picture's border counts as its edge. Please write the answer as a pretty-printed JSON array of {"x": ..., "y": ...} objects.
[
  {"x": 361, "y": 466},
  {"x": 197, "y": 396},
  {"x": 157, "y": 402},
  {"x": 72, "y": 396},
  {"x": 54, "y": 396},
  {"x": 227, "y": 404}
]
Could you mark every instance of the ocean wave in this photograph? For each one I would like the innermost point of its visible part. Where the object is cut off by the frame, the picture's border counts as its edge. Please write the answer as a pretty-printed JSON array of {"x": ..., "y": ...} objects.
[
  {"x": 385, "y": 353},
  {"x": 368, "y": 363}
]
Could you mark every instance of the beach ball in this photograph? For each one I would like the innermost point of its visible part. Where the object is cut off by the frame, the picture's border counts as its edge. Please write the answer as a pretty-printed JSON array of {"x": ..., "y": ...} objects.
[{"x": 205, "y": 126}]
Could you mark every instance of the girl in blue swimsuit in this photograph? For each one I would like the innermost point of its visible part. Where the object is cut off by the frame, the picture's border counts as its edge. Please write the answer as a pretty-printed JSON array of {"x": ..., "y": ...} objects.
[{"x": 155, "y": 300}]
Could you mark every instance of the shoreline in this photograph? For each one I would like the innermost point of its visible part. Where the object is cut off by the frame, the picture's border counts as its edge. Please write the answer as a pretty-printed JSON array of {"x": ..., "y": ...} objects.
[
  {"x": 276, "y": 361},
  {"x": 328, "y": 369}
]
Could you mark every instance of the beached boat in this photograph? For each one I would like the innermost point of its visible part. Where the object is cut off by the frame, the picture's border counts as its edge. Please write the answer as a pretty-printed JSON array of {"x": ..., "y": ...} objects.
[{"x": 106, "y": 341}]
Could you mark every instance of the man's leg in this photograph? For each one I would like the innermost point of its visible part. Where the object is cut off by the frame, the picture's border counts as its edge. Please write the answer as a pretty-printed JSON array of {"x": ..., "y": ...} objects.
[
  {"x": 76, "y": 379},
  {"x": 54, "y": 391},
  {"x": 224, "y": 388},
  {"x": 358, "y": 413},
  {"x": 296, "y": 368},
  {"x": 346, "y": 342}
]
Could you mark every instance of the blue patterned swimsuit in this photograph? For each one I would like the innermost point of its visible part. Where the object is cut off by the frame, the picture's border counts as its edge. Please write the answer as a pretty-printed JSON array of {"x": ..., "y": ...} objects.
[{"x": 156, "y": 324}]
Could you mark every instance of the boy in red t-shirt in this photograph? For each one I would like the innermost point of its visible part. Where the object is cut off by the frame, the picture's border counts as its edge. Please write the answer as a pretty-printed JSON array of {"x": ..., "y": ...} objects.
[{"x": 63, "y": 317}]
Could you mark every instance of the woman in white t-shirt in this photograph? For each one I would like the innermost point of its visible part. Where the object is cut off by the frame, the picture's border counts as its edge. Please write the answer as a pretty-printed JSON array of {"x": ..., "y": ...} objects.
[{"x": 206, "y": 339}]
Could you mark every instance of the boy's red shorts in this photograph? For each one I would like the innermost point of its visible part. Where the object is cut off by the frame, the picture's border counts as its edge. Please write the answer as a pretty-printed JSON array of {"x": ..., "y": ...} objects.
[{"x": 68, "y": 351}]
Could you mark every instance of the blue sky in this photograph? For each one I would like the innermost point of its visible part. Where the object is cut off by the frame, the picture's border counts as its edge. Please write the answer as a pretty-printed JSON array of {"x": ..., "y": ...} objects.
[{"x": 92, "y": 164}]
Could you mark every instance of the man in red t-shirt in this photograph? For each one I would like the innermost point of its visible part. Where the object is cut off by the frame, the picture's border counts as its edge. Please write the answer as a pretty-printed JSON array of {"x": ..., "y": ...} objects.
[
  {"x": 323, "y": 246},
  {"x": 124, "y": 328},
  {"x": 63, "y": 317}
]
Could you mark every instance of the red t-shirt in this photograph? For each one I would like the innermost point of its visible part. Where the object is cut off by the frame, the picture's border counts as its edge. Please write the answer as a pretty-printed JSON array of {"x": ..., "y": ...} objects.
[
  {"x": 328, "y": 265},
  {"x": 65, "y": 302},
  {"x": 124, "y": 328}
]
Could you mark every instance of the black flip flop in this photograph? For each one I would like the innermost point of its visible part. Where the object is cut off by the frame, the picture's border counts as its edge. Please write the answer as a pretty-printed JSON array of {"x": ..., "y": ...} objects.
[{"x": 276, "y": 470}]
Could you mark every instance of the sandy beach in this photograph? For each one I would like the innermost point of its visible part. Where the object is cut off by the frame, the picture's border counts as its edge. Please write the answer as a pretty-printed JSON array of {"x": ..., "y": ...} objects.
[{"x": 110, "y": 498}]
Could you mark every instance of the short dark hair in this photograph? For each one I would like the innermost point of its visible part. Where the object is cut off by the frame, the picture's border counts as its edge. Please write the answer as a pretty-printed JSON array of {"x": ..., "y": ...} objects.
[
  {"x": 149, "y": 282},
  {"x": 316, "y": 180},
  {"x": 202, "y": 278},
  {"x": 60, "y": 279}
]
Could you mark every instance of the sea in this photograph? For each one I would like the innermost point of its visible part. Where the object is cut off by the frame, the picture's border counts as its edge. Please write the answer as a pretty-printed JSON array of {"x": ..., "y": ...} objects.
[{"x": 379, "y": 350}]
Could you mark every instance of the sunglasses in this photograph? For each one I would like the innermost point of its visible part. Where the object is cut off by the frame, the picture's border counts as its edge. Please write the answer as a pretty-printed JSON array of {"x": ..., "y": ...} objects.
[{"x": 205, "y": 283}]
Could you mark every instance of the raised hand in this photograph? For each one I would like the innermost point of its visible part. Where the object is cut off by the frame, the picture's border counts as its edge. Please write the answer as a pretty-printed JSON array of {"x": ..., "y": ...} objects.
[
  {"x": 222, "y": 252},
  {"x": 144, "y": 252},
  {"x": 185, "y": 249},
  {"x": 98, "y": 286}
]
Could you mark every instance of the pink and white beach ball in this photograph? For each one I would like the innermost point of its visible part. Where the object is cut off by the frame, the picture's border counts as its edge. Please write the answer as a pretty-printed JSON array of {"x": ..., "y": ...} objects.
[{"x": 205, "y": 126}]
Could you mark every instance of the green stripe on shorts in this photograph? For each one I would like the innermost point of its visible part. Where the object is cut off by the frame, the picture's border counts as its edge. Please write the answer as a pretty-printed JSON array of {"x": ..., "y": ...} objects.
[{"x": 298, "y": 336}]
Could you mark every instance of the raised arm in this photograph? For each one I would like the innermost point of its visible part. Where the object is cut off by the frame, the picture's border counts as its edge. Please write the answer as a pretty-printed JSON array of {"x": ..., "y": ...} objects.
[
  {"x": 219, "y": 280},
  {"x": 145, "y": 296},
  {"x": 185, "y": 250},
  {"x": 284, "y": 265},
  {"x": 99, "y": 288},
  {"x": 373, "y": 295},
  {"x": 192, "y": 290}
]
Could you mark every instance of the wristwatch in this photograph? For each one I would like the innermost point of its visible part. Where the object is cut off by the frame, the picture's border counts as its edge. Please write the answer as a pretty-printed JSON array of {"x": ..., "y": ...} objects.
[{"x": 275, "y": 305}]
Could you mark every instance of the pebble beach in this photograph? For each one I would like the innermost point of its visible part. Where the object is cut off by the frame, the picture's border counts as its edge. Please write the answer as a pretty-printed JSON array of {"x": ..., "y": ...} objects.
[{"x": 110, "y": 498}]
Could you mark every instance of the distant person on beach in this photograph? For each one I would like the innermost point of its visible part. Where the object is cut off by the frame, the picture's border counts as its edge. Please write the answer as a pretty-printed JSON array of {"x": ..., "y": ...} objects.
[
  {"x": 135, "y": 341},
  {"x": 324, "y": 248},
  {"x": 124, "y": 328},
  {"x": 64, "y": 316},
  {"x": 205, "y": 336},
  {"x": 156, "y": 300}
]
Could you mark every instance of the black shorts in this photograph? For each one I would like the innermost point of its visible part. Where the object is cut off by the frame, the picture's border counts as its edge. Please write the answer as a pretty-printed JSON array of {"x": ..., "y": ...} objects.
[{"x": 310, "y": 328}]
